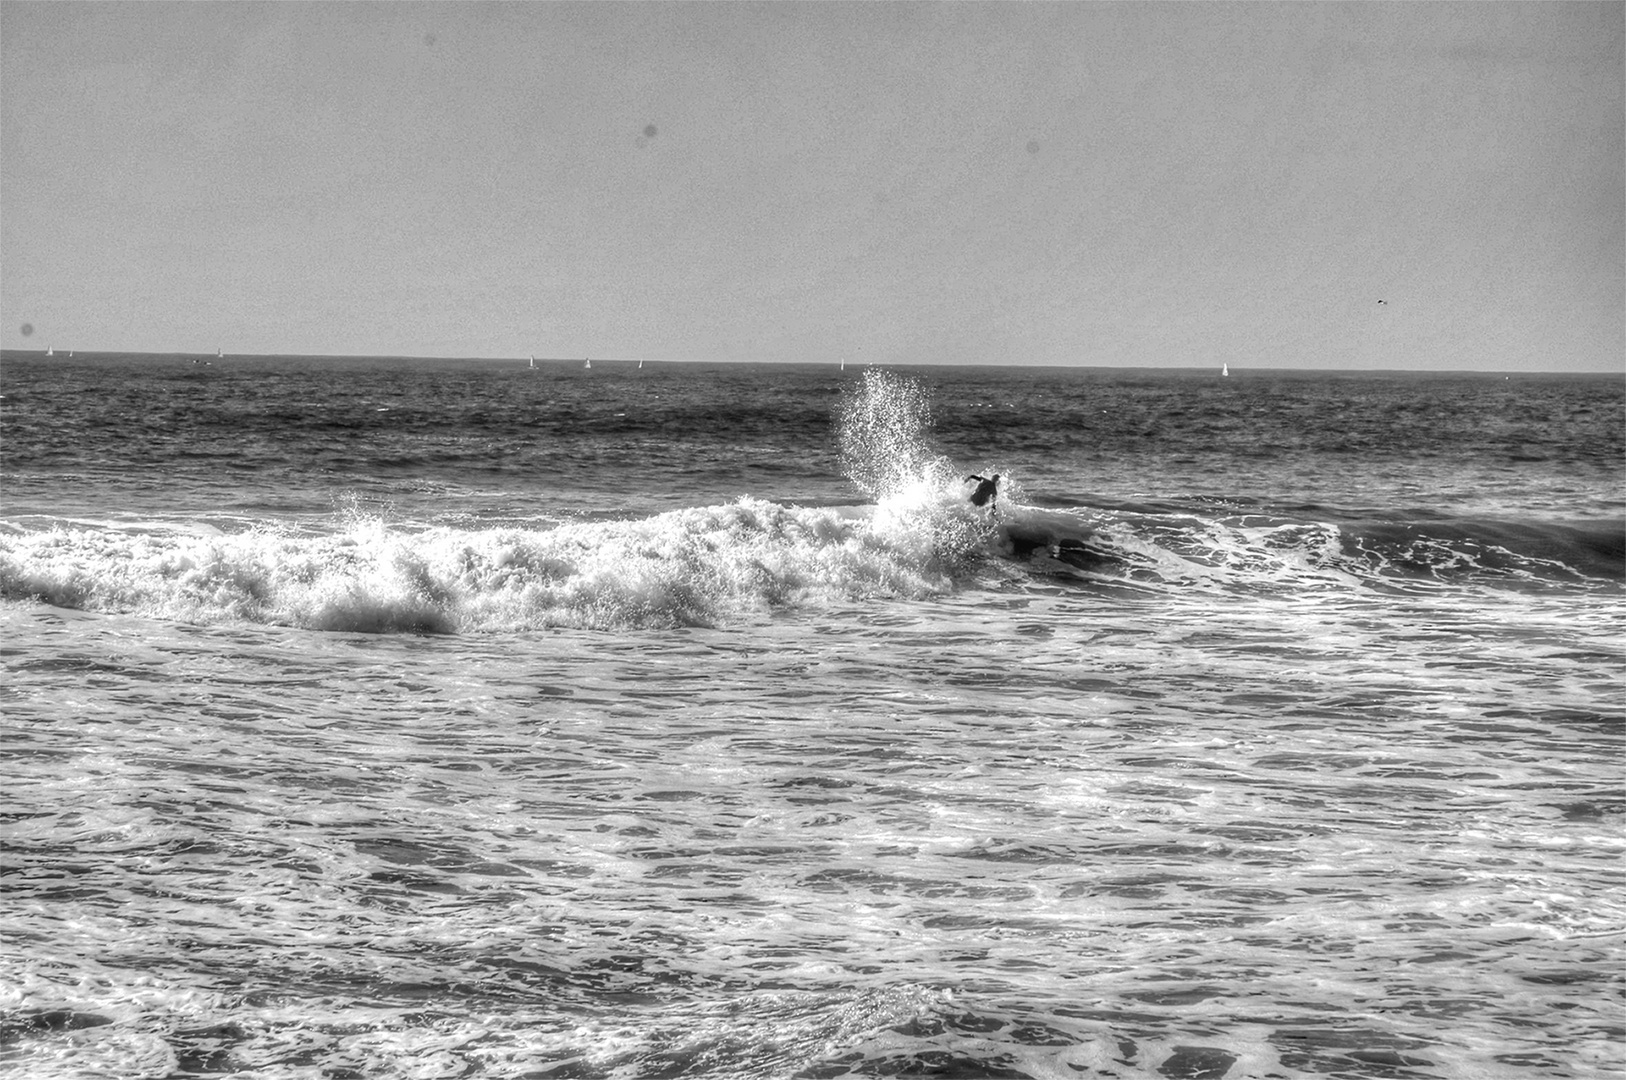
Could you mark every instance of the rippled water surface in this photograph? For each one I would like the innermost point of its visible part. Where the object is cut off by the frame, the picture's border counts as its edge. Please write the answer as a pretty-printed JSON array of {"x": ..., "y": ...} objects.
[
  {"x": 1293, "y": 776},
  {"x": 1057, "y": 836}
]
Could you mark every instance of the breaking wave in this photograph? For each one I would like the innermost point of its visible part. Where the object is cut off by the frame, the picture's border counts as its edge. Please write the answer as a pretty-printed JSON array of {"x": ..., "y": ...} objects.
[{"x": 753, "y": 558}]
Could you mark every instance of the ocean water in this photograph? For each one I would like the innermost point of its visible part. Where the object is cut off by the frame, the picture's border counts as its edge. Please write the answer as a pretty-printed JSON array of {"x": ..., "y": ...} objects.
[{"x": 390, "y": 718}]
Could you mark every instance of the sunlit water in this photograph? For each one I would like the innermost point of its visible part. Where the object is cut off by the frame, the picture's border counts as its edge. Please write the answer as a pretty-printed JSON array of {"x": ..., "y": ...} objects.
[{"x": 1133, "y": 785}]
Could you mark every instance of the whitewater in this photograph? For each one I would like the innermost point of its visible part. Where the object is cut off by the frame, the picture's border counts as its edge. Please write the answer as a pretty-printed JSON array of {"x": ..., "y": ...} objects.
[{"x": 392, "y": 718}]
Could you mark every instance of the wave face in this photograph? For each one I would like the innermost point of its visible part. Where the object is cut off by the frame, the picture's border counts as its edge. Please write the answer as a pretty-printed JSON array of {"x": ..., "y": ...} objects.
[{"x": 1266, "y": 552}]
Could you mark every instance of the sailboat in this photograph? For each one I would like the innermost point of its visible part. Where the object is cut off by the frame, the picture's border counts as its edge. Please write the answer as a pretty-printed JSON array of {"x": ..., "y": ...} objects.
[
  {"x": 1225, "y": 369},
  {"x": 587, "y": 365},
  {"x": 533, "y": 361},
  {"x": 640, "y": 365},
  {"x": 49, "y": 351},
  {"x": 843, "y": 363}
]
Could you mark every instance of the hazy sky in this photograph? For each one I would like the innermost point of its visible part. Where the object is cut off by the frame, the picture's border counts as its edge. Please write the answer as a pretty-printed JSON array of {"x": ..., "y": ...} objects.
[{"x": 1077, "y": 183}]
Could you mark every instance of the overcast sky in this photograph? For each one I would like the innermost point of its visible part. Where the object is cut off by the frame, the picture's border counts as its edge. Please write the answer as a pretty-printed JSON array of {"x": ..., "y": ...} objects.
[{"x": 1155, "y": 184}]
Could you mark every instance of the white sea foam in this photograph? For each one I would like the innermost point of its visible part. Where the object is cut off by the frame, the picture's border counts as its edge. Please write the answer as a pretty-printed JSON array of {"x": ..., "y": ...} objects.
[
  {"x": 700, "y": 566},
  {"x": 715, "y": 565}
]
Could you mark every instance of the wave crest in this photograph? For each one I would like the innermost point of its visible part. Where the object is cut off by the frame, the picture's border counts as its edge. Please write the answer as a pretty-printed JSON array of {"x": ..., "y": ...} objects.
[{"x": 705, "y": 566}]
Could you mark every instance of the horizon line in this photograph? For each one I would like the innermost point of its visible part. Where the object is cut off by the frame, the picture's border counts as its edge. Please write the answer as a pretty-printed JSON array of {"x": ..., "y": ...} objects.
[{"x": 49, "y": 352}]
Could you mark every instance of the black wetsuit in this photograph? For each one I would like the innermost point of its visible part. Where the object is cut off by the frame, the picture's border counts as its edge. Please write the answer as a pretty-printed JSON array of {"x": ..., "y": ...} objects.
[{"x": 987, "y": 490}]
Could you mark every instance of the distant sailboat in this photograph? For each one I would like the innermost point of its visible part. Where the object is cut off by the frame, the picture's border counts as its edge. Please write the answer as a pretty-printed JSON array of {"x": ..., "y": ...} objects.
[
  {"x": 640, "y": 365},
  {"x": 219, "y": 355},
  {"x": 49, "y": 351},
  {"x": 1225, "y": 369},
  {"x": 587, "y": 365},
  {"x": 533, "y": 361},
  {"x": 843, "y": 363}
]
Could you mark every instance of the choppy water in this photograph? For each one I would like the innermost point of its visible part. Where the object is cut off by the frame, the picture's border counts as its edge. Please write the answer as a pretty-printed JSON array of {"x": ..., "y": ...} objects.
[{"x": 390, "y": 719}]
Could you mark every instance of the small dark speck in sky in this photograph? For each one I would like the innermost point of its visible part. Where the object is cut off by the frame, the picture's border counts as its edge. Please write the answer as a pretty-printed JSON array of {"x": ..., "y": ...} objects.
[
  {"x": 1033, "y": 146},
  {"x": 650, "y": 131},
  {"x": 429, "y": 39},
  {"x": 28, "y": 329}
]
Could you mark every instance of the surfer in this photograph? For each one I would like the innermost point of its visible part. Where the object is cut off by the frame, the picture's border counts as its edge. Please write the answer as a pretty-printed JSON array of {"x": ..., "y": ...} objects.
[{"x": 987, "y": 492}]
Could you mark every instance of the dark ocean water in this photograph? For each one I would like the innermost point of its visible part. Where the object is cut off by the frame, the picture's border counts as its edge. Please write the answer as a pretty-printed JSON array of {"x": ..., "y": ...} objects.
[{"x": 410, "y": 718}]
